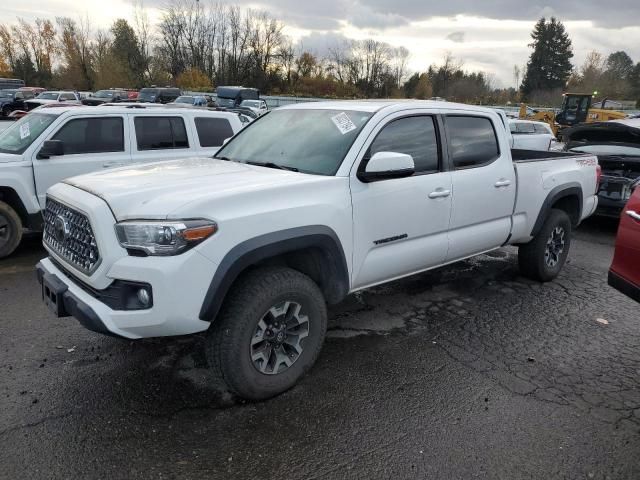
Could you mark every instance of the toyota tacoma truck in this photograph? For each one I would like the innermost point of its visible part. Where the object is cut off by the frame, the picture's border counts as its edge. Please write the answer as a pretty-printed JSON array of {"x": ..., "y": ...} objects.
[{"x": 305, "y": 205}]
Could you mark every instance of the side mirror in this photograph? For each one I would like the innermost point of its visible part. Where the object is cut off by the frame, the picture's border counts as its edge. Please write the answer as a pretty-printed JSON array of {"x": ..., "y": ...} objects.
[
  {"x": 387, "y": 165},
  {"x": 51, "y": 148}
]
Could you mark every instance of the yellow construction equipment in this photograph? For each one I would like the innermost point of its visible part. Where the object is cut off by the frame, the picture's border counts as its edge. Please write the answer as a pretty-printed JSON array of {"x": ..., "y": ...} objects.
[{"x": 576, "y": 108}]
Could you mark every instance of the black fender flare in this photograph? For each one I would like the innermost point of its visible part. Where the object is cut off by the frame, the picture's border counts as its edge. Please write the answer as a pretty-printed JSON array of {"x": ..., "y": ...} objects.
[
  {"x": 271, "y": 245},
  {"x": 572, "y": 189}
]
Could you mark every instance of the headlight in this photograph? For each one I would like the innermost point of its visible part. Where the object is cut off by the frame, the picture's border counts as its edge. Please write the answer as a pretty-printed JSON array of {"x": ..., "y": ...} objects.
[{"x": 163, "y": 238}]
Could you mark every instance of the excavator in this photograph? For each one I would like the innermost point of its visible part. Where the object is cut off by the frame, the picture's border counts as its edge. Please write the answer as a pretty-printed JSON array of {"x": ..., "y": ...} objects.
[{"x": 576, "y": 108}]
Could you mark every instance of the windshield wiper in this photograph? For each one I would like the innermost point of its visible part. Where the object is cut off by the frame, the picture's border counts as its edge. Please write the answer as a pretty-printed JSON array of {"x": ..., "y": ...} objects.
[{"x": 274, "y": 165}]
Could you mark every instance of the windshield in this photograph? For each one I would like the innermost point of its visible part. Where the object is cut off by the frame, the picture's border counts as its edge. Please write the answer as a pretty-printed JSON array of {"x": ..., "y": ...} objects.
[
  {"x": 148, "y": 95},
  {"x": 609, "y": 149},
  {"x": 312, "y": 141},
  {"x": 17, "y": 138},
  {"x": 48, "y": 96},
  {"x": 103, "y": 94},
  {"x": 188, "y": 100}
]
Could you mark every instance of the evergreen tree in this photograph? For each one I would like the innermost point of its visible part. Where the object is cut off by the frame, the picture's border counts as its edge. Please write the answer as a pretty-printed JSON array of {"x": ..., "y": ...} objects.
[
  {"x": 126, "y": 50},
  {"x": 549, "y": 65}
]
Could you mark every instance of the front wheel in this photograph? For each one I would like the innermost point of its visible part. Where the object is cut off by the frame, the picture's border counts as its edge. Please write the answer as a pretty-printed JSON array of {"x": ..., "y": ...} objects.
[
  {"x": 269, "y": 332},
  {"x": 543, "y": 257},
  {"x": 10, "y": 230}
]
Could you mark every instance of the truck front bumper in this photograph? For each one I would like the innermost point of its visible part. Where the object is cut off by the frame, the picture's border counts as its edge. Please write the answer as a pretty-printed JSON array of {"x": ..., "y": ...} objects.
[{"x": 178, "y": 286}]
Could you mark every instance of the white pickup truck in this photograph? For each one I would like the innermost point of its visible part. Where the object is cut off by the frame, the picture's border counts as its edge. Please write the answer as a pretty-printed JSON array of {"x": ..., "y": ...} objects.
[
  {"x": 305, "y": 205},
  {"x": 49, "y": 145}
]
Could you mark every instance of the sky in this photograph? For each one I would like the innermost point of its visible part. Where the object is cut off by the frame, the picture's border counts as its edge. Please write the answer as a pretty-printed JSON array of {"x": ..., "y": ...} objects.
[{"x": 490, "y": 36}]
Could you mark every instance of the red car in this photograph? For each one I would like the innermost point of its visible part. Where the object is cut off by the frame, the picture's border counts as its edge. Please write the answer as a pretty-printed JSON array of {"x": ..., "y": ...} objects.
[{"x": 624, "y": 274}]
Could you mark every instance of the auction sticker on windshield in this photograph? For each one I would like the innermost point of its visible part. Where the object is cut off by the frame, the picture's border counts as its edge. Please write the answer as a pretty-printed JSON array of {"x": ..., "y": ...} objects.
[
  {"x": 343, "y": 123},
  {"x": 24, "y": 131}
]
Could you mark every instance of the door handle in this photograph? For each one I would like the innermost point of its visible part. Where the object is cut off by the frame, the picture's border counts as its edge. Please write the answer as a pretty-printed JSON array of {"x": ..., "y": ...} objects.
[
  {"x": 440, "y": 193},
  {"x": 112, "y": 164},
  {"x": 634, "y": 215},
  {"x": 502, "y": 183}
]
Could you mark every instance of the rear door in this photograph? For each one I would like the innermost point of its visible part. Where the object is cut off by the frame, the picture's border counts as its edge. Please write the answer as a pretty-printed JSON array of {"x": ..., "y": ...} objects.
[
  {"x": 400, "y": 225},
  {"x": 90, "y": 143},
  {"x": 625, "y": 269},
  {"x": 484, "y": 183}
]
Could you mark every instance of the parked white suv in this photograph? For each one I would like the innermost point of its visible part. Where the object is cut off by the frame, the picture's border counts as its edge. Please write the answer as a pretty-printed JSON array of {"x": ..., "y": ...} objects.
[
  {"x": 47, "y": 146},
  {"x": 303, "y": 206}
]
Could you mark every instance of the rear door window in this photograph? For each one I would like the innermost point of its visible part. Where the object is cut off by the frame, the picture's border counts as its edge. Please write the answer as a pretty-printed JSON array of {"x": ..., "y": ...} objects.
[
  {"x": 158, "y": 133},
  {"x": 92, "y": 135},
  {"x": 472, "y": 141},
  {"x": 212, "y": 132}
]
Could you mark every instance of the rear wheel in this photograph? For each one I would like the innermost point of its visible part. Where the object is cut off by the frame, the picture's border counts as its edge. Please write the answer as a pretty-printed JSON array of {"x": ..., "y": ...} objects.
[
  {"x": 543, "y": 257},
  {"x": 269, "y": 332},
  {"x": 10, "y": 230},
  {"x": 6, "y": 111}
]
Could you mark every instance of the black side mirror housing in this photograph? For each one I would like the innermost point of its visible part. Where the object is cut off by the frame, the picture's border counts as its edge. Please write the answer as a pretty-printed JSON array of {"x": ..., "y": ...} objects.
[{"x": 51, "y": 148}]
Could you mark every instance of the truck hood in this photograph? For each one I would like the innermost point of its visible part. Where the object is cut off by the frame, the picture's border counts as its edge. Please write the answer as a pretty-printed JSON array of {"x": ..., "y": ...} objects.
[{"x": 163, "y": 189}]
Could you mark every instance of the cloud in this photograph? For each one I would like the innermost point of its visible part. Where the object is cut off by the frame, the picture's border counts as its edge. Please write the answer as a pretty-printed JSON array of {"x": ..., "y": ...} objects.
[
  {"x": 457, "y": 37},
  {"x": 616, "y": 13}
]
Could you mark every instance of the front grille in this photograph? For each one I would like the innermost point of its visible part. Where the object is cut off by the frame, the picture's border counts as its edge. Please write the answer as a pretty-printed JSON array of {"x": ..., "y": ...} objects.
[{"x": 68, "y": 233}]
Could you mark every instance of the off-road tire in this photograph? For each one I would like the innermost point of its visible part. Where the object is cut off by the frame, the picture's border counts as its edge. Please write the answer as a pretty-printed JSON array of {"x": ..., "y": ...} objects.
[
  {"x": 10, "y": 230},
  {"x": 531, "y": 256},
  {"x": 228, "y": 341}
]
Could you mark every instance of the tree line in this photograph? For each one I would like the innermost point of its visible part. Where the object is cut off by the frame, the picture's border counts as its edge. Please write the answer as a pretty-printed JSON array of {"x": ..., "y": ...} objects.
[{"x": 197, "y": 46}]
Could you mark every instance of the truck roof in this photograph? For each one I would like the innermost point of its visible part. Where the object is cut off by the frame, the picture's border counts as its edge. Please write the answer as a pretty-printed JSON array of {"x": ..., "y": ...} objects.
[
  {"x": 141, "y": 108},
  {"x": 377, "y": 105}
]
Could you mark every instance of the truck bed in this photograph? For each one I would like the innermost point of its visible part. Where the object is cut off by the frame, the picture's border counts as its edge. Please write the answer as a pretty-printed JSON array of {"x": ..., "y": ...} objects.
[{"x": 539, "y": 174}]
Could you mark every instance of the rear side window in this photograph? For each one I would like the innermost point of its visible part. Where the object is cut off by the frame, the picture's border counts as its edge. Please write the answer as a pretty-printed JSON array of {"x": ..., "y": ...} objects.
[
  {"x": 68, "y": 96},
  {"x": 157, "y": 133},
  {"x": 212, "y": 132},
  {"x": 415, "y": 136},
  {"x": 92, "y": 135},
  {"x": 472, "y": 141}
]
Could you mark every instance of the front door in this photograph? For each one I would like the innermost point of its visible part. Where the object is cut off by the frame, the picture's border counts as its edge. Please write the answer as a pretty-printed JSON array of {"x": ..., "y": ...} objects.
[
  {"x": 400, "y": 225},
  {"x": 90, "y": 144}
]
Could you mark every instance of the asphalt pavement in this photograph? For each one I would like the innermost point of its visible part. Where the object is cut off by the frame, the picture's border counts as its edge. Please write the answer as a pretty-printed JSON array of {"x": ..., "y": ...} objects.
[{"x": 469, "y": 371}]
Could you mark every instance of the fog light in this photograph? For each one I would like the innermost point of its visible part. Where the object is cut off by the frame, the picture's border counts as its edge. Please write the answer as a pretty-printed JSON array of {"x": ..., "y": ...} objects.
[{"x": 143, "y": 297}]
